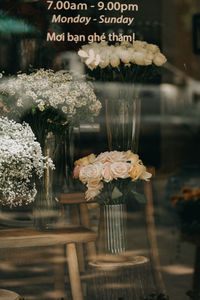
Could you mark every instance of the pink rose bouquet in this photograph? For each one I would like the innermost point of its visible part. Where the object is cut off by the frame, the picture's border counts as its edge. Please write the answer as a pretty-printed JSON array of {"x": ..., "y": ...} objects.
[{"x": 111, "y": 174}]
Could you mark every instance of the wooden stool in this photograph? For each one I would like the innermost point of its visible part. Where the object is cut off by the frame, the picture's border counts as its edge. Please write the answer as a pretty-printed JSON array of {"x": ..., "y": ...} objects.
[
  {"x": 8, "y": 295},
  {"x": 124, "y": 276}
]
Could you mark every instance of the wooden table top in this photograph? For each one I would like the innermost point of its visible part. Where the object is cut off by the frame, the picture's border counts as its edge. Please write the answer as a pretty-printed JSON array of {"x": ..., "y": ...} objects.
[{"x": 29, "y": 237}]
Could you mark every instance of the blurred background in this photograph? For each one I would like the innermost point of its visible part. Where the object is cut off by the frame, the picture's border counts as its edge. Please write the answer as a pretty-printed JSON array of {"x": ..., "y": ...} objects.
[{"x": 169, "y": 137}]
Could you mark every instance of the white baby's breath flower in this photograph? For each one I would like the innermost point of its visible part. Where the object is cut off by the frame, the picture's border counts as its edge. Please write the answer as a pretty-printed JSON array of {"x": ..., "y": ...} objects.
[
  {"x": 48, "y": 89},
  {"x": 19, "y": 102},
  {"x": 64, "y": 109},
  {"x": 20, "y": 160},
  {"x": 41, "y": 107}
]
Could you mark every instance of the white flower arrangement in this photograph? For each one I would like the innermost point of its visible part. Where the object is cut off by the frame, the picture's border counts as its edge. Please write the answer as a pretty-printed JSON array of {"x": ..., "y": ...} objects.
[
  {"x": 103, "y": 55},
  {"x": 21, "y": 160},
  {"x": 137, "y": 62},
  {"x": 45, "y": 89},
  {"x": 110, "y": 174}
]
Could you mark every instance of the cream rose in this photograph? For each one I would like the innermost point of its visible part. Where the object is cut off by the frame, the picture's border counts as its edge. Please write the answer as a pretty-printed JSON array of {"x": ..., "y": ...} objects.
[
  {"x": 121, "y": 170},
  {"x": 132, "y": 157},
  {"x": 82, "y": 161},
  {"x": 91, "y": 194},
  {"x": 138, "y": 45},
  {"x": 159, "y": 59},
  {"x": 106, "y": 172},
  {"x": 125, "y": 56},
  {"x": 83, "y": 174},
  {"x": 116, "y": 156},
  {"x": 103, "y": 157},
  {"x": 145, "y": 175},
  {"x": 95, "y": 184},
  {"x": 91, "y": 158},
  {"x": 114, "y": 61},
  {"x": 136, "y": 171},
  {"x": 94, "y": 189},
  {"x": 94, "y": 171},
  {"x": 139, "y": 58},
  {"x": 104, "y": 63},
  {"x": 148, "y": 59},
  {"x": 152, "y": 48}
]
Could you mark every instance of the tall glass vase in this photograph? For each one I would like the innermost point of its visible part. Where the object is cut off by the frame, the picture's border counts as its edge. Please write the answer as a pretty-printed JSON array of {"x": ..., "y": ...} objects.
[
  {"x": 46, "y": 206},
  {"x": 64, "y": 159},
  {"x": 112, "y": 236},
  {"x": 122, "y": 115}
]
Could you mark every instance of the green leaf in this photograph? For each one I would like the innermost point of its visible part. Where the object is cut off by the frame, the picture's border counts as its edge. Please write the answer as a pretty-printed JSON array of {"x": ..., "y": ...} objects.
[
  {"x": 140, "y": 198},
  {"x": 33, "y": 110},
  {"x": 116, "y": 193}
]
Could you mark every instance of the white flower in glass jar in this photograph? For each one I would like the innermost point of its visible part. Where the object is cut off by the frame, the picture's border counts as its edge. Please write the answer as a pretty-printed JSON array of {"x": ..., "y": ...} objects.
[{"x": 21, "y": 160}]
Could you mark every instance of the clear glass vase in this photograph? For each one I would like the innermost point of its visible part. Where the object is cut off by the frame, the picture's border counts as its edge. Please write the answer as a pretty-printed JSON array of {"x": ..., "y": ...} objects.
[
  {"x": 112, "y": 236},
  {"x": 122, "y": 105},
  {"x": 64, "y": 160},
  {"x": 46, "y": 206}
]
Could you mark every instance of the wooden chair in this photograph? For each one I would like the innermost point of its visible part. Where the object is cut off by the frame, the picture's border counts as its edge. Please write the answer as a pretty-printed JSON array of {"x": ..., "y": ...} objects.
[{"x": 79, "y": 216}]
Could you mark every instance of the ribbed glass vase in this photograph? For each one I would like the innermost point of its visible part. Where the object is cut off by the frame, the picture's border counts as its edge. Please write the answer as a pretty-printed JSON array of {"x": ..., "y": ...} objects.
[{"x": 112, "y": 236}]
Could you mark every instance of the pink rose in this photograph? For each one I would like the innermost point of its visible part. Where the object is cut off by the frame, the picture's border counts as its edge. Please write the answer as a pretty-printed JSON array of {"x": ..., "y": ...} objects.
[
  {"x": 120, "y": 170},
  {"x": 106, "y": 172},
  {"x": 76, "y": 171}
]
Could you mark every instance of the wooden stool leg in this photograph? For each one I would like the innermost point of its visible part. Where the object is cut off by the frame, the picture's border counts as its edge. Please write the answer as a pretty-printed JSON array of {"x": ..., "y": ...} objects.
[
  {"x": 196, "y": 278},
  {"x": 91, "y": 248},
  {"x": 74, "y": 275},
  {"x": 75, "y": 218},
  {"x": 59, "y": 271},
  {"x": 152, "y": 239},
  {"x": 81, "y": 260}
]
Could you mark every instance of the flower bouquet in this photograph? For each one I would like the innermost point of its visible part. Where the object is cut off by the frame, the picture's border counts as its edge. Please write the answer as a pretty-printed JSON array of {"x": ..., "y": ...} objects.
[
  {"x": 109, "y": 178},
  {"x": 139, "y": 62},
  {"x": 187, "y": 205},
  {"x": 21, "y": 162},
  {"x": 130, "y": 65}
]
